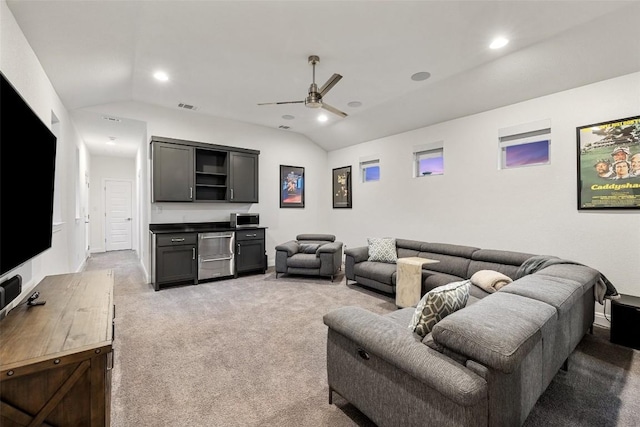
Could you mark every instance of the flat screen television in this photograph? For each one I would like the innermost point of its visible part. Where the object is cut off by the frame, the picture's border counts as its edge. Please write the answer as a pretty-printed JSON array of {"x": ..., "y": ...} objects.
[{"x": 27, "y": 174}]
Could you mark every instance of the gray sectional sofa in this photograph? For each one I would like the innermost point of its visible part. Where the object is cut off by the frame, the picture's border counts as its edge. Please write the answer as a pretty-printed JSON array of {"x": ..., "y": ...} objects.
[{"x": 483, "y": 365}]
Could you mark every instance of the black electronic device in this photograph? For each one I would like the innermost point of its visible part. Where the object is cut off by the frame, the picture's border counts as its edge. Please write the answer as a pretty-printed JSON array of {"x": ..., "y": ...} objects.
[
  {"x": 27, "y": 175},
  {"x": 32, "y": 299},
  {"x": 9, "y": 290}
]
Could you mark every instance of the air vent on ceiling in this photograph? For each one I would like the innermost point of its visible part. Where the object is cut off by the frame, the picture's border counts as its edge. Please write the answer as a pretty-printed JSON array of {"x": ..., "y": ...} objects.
[
  {"x": 187, "y": 106},
  {"x": 111, "y": 119},
  {"x": 284, "y": 127}
]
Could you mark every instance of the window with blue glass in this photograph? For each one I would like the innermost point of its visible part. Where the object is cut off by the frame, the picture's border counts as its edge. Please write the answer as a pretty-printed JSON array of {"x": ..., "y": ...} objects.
[{"x": 370, "y": 171}]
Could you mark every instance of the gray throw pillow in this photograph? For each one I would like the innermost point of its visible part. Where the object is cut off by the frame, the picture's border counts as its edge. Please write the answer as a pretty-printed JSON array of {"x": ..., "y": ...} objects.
[
  {"x": 308, "y": 248},
  {"x": 382, "y": 249},
  {"x": 437, "y": 304}
]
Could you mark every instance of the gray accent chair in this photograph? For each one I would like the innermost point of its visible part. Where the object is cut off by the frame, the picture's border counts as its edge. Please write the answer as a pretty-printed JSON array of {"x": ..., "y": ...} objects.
[{"x": 310, "y": 255}]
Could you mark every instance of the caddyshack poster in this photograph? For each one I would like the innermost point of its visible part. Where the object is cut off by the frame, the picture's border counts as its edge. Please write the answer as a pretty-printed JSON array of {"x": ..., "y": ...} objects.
[{"x": 609, "y": 165}]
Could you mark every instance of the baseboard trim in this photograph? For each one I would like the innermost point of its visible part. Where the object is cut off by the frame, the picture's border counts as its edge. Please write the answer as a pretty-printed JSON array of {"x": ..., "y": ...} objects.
[{"x": 602, "y": 321}]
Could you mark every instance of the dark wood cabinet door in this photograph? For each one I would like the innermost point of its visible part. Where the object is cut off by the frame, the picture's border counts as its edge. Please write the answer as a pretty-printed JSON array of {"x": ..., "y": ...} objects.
[
  {"x": 250, "y": 256},
  {"x": 176, "y": 264},
  {"x": 244, "y": 177},
  {"x": 172, "y": 172}
]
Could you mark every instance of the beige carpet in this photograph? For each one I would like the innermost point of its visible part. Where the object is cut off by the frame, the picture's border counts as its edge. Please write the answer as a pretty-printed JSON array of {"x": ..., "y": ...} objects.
[{"x": 251, "y": 352}]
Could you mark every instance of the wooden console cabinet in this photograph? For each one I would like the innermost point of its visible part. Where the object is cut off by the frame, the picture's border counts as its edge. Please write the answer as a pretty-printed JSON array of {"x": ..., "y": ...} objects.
[{"x": 56, "y": 359}]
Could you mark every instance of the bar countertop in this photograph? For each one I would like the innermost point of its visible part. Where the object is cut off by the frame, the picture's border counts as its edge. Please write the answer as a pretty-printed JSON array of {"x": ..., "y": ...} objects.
[{"x": 196, "y": 227}]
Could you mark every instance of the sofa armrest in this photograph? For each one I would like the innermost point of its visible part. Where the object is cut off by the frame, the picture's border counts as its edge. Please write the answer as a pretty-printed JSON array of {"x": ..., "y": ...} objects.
[
  {"x": 358, "y": 254},
  {"x": 397, "y": 345},
  {"x": 329, "y": 248},
  {"x": 291, "y": 247}
]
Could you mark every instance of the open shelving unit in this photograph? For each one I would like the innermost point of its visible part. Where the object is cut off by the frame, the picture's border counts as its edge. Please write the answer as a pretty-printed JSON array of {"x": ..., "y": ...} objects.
[{"x": 212, "y": 173}]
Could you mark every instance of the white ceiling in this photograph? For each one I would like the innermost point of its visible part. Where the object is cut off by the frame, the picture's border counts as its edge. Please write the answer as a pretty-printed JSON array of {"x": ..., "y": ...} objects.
[{"x": 225, "y": 57}]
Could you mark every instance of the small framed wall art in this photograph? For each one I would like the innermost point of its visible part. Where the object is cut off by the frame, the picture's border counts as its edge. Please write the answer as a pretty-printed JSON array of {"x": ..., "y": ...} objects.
[
  {"x": 291, "y": 186},
  {"x": 609, "y": 165},
  {"x": 342, "y": 187}
]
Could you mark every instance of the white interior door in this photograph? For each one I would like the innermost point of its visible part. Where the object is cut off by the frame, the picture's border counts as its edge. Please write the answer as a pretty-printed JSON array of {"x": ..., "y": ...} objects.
[{"x": 118, "y": 215}]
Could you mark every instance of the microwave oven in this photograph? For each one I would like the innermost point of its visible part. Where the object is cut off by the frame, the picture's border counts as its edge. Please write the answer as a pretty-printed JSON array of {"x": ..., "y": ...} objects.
[{"x": 245, "y": 220}]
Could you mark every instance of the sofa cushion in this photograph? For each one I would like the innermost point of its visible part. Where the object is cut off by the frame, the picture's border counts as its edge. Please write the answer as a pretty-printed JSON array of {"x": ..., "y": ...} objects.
[
  {"x": 382, "y": 249},
  {"x": 316, "y": 238},
  {"x": 501, "y": 257},
  {"x": 505, "y": 262},
  {"x": 379, "y": 271},
  {"x": 437, "y": 304},
  {"x": 433, "y": 279},
  {"x": 413, "y": 245},
  {"x": 449, "y": 264},
  {"x": 587, "y": 276},
  {"x": 557, "y": 292},
  {"x": 308, "y": 248},
  {"x": 304, "y": 261},
  {"x": 498, "y": 331}
]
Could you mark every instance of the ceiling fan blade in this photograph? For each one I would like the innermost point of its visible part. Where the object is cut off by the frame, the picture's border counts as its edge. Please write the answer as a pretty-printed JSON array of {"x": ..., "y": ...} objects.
[
  {"x": 334, "y": 110},
  {"x": 329, "y": 84},
  {"x": 282, "y": 102}
]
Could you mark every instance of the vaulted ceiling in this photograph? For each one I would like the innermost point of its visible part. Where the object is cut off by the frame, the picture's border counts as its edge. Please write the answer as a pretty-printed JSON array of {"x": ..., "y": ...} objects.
[{"x": 225, "y": 57}]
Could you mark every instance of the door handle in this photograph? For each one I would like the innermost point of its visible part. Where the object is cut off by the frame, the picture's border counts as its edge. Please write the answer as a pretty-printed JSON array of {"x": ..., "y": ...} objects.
[
  {"x": 239, "y": 248},
  {"x": 193, "y": 256},
  {"x": 232, "y": 194}
]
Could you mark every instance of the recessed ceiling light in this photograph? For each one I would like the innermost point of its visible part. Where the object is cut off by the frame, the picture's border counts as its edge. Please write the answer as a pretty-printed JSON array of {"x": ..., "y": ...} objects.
[
  {"x": 422, "y": 75},
  {"x": 288, "y": 117},
  {"x": 355, "y": 104},
  {"x": 498, "y": 43},
  {"x": 161, "y": 75},
  {"x": 323, "y": 118}
]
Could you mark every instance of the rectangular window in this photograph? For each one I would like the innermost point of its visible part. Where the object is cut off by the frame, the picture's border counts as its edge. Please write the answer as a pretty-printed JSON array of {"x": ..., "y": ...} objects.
[
  {"x": 430, "y": 162},
  {"x": 428, "y": 159},
  {"x": 370, "y": 170},
  {"x": 525, "y": 145}
]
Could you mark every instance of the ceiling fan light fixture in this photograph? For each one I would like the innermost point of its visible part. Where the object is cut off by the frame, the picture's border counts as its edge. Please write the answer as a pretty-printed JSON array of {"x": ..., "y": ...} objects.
[
  {"x": 315, "y": 95},
  {"x": 323, "y": 118}
]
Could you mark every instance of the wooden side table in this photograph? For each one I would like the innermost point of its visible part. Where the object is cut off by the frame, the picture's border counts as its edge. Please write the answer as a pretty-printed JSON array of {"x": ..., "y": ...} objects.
[
  {"x": 409, "y": 280},
  {"x": 625, "y": 321}
]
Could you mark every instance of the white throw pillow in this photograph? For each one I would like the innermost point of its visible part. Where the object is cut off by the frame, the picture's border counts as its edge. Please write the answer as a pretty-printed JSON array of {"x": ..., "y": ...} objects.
[{"x": 382, "y": 249}]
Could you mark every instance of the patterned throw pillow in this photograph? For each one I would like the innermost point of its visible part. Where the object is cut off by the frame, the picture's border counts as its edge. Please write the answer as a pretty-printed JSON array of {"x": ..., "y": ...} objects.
[
  {"x": 382, "y": 249},
  {"x": 437, "y": 304}
]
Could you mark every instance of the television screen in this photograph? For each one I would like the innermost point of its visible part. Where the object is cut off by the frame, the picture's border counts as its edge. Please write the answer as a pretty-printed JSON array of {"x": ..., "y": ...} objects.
[{"x": 27, "y": 173}]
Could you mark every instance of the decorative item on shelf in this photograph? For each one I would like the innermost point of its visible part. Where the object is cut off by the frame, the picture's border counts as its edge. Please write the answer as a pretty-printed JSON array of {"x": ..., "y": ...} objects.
[
  {"x": 342, "y": 187},
  {"x": 609, "y": 165},
  {"x": 291, "y": 186}
]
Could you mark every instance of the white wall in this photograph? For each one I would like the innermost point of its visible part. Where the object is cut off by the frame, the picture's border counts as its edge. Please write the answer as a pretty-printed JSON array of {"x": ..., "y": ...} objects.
[
  {"x": 21, "y": 67},
  {"x": 531, "y": 209},
  {"x": 276, "y": 147},
  {"x": 102, "y": 168}
]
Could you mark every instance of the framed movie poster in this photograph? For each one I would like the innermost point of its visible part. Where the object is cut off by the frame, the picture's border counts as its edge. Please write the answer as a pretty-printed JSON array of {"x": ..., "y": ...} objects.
[
  {"x": 342, "y": 187},
  {"x": 291, "y": 186},
  {"x": 609, "y": 165}
]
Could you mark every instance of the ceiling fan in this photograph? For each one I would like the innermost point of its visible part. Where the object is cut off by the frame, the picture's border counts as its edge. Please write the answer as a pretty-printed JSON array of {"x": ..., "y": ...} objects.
[{"x": 314, "y": 98}]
